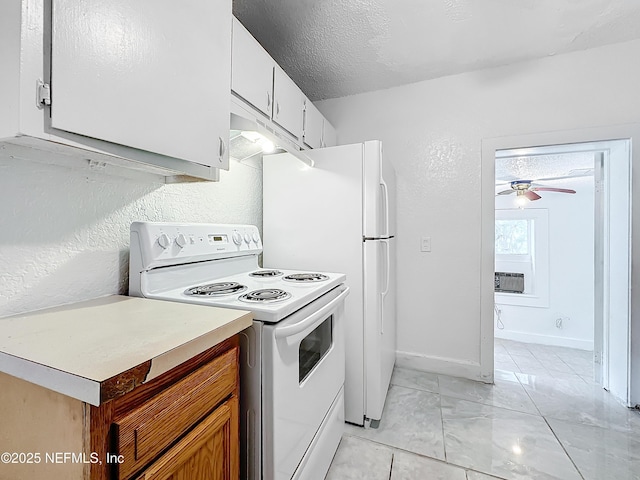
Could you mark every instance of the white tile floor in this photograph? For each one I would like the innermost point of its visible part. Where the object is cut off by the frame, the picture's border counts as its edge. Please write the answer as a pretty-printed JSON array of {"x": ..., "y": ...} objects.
[{"x": 543, "y": 419}]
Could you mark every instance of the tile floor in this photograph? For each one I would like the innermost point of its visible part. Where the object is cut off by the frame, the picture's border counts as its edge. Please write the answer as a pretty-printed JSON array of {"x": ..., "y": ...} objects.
[{"x": 544, "y": 418}]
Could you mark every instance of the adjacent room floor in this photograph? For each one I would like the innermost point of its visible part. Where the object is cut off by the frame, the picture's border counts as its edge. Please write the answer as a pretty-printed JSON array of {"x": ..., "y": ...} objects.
[{"x": 544, "y": 418}]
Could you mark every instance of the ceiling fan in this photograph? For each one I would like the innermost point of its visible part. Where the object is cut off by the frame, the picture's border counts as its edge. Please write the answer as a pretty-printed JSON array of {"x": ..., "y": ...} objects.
[{"x": 527, "y": 189}]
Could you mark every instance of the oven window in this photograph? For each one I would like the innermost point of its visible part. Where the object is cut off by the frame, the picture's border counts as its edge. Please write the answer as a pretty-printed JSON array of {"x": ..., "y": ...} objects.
[{"x": 313, "y": 347}]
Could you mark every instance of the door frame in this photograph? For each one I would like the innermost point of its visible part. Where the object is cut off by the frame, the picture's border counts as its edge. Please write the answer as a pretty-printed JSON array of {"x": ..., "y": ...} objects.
[{"x": 488, "y": 153}]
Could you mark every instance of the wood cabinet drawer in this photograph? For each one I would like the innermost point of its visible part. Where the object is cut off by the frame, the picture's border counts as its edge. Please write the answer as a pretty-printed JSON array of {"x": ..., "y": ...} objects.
[
  {"x": 146, "y": 431},
  {"x": 209, "y": 451}
]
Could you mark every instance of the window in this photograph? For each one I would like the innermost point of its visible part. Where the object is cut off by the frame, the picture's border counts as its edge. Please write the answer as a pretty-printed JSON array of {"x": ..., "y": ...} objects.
[
  {"x": 513, "y": 237},
  {"x": 522, "y": 246}
]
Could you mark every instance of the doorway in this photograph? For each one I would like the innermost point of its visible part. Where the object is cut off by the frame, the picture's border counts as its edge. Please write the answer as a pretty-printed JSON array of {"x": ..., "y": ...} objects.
[
  {"x": 550, "y": 220},
  {"x": 615, "y": 357}
]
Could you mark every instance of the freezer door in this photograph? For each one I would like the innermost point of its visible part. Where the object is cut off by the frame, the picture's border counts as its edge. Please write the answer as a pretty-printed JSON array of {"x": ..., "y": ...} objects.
[
  {"x": 379, "y": 322},
  {"x": 379, "y": 192}
]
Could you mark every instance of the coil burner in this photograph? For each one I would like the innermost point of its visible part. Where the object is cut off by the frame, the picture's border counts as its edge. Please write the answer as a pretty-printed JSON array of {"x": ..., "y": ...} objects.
[
  {"x": 216, "y": 289},
  {"x": 265, "y": 295},
  {"x": 306, "y": 277},
  {"x": 266, "y": 273}
]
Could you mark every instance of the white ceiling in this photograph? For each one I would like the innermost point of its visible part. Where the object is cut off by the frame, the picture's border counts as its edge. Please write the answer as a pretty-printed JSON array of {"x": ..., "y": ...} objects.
[
  {"x": 334, "y": 48},
  {"x": 574, "y": 164}
]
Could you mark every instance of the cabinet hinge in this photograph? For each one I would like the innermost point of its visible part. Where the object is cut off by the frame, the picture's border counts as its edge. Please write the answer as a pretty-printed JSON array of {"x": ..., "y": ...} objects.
[
  {"x": 43, "y": 94},
  {"x": 304, "y": 118}
]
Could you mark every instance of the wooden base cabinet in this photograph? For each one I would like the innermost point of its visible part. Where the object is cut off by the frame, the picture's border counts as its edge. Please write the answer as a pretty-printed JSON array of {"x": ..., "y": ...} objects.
[
  {"x": 204, "y": 453},
  {"x": 184, "y": 425}
]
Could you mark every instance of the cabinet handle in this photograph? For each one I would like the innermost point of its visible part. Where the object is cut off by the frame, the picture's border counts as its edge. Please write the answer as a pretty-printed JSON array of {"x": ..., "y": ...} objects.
[
  {"x": 268, "y": 100},
  {"x": 277, "y": 108},
  {"x": 222, "y": 149}
]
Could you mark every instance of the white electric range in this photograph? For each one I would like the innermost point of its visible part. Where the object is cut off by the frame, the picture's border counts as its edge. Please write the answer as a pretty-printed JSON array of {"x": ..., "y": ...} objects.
[{"x": 292, "y": 358}]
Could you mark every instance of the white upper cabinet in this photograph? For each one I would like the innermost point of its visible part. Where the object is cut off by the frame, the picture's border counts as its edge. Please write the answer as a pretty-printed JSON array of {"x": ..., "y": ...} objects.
[
  {"x": 258, "y": 80},
  {"x": 288, "y": 103},
  {"x": 318, "y": 132},
  {"x": 329, "y": 136},
  {"x": 144, "y": 74},
  {"x": 10, "y": 13},
  {"x": 262, "y": 84},
  {"x": 313, "y": 123},
  {"x": 251, "y": 70},
  {"x": 142, "y": 85}
]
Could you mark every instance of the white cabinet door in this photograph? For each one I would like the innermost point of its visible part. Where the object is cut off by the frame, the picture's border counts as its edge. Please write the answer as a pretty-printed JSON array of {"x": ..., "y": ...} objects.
[
  {"x": 10, "y": 60},
  {"x": 288, "y": 103},
  {"x": 313, "y": 121},
  {"x": 251, "y": 70},
  {"x": 149, "y": 74},
  {"x": 329, "y": 136}
]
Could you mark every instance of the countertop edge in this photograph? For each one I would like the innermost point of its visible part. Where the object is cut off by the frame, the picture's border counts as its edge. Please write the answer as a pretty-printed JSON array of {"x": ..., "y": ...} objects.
[
  {"x": 66, "y": 383},
  {"x": 127, "y": 381},
  {"x": 96, "y": 392}
]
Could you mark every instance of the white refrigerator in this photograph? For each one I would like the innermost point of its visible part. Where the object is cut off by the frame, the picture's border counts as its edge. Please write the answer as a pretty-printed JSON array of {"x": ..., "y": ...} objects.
[{"x": 339, "y": 216}]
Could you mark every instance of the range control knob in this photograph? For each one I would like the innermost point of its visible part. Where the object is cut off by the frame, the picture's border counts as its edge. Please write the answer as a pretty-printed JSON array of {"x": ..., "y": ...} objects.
[
  {"x": 164, "y": 241},
  {"x": 256, "y": 237},
  {"x": 247, "y": 238},
  {"x": 181, "y": 240},
  {"x": 237, "y": 238}
]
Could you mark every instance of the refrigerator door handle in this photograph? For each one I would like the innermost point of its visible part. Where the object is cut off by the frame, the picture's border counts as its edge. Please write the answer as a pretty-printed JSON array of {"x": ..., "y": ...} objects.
[
  {"x": 387, "y": 281},
  {"x": 385, "y": 190}
]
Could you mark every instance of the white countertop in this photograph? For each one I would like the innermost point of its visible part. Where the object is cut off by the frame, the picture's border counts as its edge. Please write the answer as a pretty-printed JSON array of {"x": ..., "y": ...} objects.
[{"x": 75, "y": 349}]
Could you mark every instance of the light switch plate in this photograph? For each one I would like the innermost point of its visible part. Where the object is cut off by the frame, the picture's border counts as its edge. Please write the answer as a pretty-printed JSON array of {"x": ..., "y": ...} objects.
[{"x": 425, "y": 244}]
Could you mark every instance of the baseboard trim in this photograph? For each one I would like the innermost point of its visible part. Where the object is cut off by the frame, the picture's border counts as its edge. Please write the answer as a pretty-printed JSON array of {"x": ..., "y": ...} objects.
[
  {"x": 441, "y": 365},
  {"x": 545, "y": 339}
]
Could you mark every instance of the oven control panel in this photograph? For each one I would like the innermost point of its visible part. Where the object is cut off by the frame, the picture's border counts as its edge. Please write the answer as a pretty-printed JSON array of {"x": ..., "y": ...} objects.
[{"x": 161, "y": 244}]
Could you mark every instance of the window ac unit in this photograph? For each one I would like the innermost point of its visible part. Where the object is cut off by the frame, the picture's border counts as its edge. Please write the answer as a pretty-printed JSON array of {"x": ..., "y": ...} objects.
[{"x": 509, "y": 282}]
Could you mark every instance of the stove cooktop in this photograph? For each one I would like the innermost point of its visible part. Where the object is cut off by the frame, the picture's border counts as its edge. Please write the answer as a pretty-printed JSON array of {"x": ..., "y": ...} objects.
[
  {"x": 305, "y": 277},
  {"x": 265, "y": 295},
  {"x": 271, "y": 297},
  {"x": 266, "y": 273},
  {"x": 218, "y": 289}
]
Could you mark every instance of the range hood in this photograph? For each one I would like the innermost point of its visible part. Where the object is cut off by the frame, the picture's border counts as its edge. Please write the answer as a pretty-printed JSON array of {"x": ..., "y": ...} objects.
[{"x": 253, "y": 135}]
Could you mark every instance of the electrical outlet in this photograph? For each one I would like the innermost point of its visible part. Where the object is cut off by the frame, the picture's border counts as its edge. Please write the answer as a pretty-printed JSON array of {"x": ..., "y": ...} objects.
[{"x": 425, "y": 244}]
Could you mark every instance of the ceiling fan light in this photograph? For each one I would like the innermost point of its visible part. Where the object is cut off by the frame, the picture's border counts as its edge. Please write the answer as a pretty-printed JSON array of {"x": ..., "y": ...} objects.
[{"x": 521, "y": 199}]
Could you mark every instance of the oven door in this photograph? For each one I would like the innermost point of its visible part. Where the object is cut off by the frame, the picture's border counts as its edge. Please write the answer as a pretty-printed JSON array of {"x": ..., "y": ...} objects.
[{"x": 303, "y": 372}]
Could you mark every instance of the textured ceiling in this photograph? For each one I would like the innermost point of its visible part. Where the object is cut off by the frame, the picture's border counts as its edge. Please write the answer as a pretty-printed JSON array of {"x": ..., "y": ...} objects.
[
  {"x": 537, "y": 167},
  {"x": 334, "y": 48}
]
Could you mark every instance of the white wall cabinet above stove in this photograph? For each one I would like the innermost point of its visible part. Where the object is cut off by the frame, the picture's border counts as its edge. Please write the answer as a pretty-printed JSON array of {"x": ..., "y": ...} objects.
[
  {"x": 144, "y": 84},
  {"x": 318, "y": 132},
  {"x": 288, "y": 103},
  {"x": 259, "y": 81},
  {"x": 251, "y": 70},
  {"x": 313, "y": 125}
]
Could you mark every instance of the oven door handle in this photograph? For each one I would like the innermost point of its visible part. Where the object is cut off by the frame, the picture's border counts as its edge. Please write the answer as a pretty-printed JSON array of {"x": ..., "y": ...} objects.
[{"x": 296, "y": 328}]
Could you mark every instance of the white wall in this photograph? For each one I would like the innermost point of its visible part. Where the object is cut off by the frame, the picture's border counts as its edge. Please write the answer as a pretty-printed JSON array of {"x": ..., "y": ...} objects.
[
  {"x": 65, "y": 233},
  {"x": 571, "y": 271},
  {"x": 432, "y": 131}
]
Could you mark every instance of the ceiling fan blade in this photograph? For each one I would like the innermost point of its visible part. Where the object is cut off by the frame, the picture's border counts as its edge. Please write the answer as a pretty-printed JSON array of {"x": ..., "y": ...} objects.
[
  {"x": 551, "y": 189},
  {"x": 506, "y": 192},
  {"x": 532, "y": 195}
]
